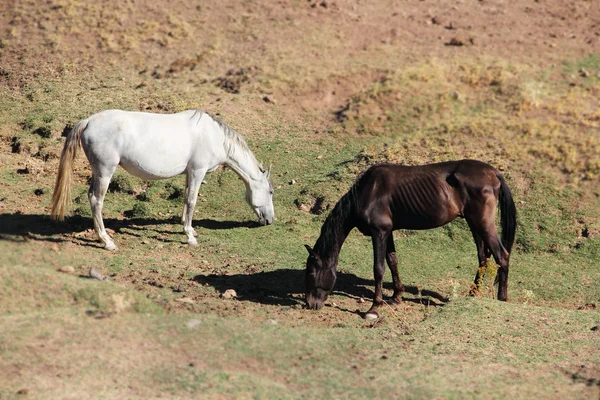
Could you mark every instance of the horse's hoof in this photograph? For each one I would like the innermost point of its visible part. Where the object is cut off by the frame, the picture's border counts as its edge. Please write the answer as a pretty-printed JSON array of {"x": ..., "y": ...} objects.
[
  {"x": 395, "y": 301},
  {"x": 371, "y": 316},
  {"x": 111, "y": 247},
  {"x": 192, "y": 242}
]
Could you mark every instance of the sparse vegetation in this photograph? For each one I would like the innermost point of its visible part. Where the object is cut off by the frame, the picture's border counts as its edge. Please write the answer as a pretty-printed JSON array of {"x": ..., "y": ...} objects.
[{"x": 347, "y": 87}]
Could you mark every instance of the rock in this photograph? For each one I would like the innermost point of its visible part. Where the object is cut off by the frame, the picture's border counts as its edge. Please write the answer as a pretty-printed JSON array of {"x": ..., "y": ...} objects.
[
  {"x": 584, "y": 73},
  {"x": 293, "y": 182},
  {"x": 304, "y": 207},
  {"x": 268, "y": 99},
  {"x": 360, "y": 300},
  {"x": 192, "y": 323},
  {"x": 460, "y": 41},
  {"x": 67, "y": 269},
  {"x": 596, "y": 328},
  {"x": 229, "y": 294},
  {"x": 185, "y": 300},
  {"x": 96, "y": 274}
]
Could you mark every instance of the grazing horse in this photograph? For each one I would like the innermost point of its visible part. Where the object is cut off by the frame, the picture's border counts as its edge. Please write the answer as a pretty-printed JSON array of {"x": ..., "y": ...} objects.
[
  {"x": 389, "y": 196},
  {"x": 159, "y": 146}
]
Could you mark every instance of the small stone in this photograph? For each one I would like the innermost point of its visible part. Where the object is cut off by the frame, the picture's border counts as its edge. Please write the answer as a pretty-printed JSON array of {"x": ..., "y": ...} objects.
[
  {"x": 192, "y": 323},
  {"x": 67, "y": 269},
  {"x": 596, "y": 328},
  {"x": 436, "y": 20},
  {"x": 319, "y": 157},
  {"x": 96, "y": 274},
  {"x": 371, "y": 317},
  {"x": 268, "y": 99},
  {"x": 185, "y": 300},
  {"x": 455, "y": 41},
  {"x": 304, "y": 207},
  {"x": 360, "y": 300},
  {"x": 229, "y": 294},
  {"x": 293, "y": 182},
  {"x": 272, "y": 322},
  {"x": 23, "y": 391},
  {"x": 584, "y": 73}
]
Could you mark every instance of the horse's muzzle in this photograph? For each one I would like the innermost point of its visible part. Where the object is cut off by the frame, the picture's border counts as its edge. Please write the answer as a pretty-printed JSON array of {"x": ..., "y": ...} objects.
[
  {"x": 265, "y": 221},
  {"x": 313, "y": 304}
]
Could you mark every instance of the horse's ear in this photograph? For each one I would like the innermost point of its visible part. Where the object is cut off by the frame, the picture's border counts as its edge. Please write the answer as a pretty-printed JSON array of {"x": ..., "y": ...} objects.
[
  {"x": 268, "y": 173},
  {"x": 311, "y": 252}
]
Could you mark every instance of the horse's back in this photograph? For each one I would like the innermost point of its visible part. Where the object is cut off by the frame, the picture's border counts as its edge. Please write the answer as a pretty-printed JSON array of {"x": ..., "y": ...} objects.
[
  {"x": 422, "y": 196},
  {"x": 149, "y": 145}
]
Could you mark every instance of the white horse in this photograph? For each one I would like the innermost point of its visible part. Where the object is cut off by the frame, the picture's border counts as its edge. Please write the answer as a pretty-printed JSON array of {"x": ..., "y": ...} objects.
[{"x": 159, "y": 146}]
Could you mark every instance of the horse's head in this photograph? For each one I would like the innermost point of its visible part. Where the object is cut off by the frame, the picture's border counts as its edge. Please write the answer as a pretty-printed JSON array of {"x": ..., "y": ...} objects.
[
  {"x": 319, "y": 281},
  {"x": 259, "y": 195}
]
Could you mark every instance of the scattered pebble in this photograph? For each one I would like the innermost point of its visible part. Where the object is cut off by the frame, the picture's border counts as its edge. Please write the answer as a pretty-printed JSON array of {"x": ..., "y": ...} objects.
[
  {"x": 360, "y": 300},
  {"x": 192, "y": 323},
  {"x": 293, "y": 182},
  {"x": 584, "y": 73},
  {"x": 371, "y": 317},
  {"x": 596, "y": 328},
  {"x": 229, "y": 294},
  {"x": 67, "y": 269},
  {"x": 96, "y": 274},
  {"x": 268, "y": 99}
]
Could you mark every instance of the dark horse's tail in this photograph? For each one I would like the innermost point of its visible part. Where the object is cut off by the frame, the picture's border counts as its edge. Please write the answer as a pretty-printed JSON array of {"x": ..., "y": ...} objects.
[{"x": 508, "y": 215}]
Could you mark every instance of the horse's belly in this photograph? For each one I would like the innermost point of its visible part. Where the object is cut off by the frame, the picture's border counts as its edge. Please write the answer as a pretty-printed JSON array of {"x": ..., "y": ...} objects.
[
  {"x": 153, "y": 170},
  {"x": 420, "y": 222}
]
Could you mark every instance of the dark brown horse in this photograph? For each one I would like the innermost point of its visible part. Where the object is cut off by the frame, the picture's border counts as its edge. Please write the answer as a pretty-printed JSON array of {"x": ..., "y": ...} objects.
[{"x": 389, "y": 196}]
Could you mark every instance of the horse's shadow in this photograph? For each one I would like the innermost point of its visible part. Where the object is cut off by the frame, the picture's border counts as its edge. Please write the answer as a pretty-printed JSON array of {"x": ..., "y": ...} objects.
[
  {"x": 18, "y": 227},
  {"x": 286, "y": 287}
]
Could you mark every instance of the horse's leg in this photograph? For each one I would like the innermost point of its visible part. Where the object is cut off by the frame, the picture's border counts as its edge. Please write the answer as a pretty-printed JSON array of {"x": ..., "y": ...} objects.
[
  {"x": 392, "y": 261},
  {"x": 185, "y": 197},
  {"x": 492, "y": 242},
  {"x": 195, "y": 178},
  {"x": 100, "y": 180},
  {"x": 483, "y": 253},
  {"x": 379, "y": 252},
  {"x": 502, "y": 258}
]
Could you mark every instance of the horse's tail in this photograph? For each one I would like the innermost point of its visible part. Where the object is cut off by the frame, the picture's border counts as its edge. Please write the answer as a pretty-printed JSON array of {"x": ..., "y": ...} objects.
[
  {"x": 62, "y": 188},
  {"x": 508, "y": 215}
]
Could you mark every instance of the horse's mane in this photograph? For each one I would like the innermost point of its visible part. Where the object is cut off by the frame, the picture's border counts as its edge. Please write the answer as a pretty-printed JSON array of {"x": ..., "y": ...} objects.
[
  {"x": 233, "y": 140},
  {"x": 332, "y": 231}
]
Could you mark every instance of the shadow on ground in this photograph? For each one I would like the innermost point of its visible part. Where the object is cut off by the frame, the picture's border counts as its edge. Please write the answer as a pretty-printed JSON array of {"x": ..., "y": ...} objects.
[
  {"x": 286, "y": 287},
  {"x": 19, "y": 227}
]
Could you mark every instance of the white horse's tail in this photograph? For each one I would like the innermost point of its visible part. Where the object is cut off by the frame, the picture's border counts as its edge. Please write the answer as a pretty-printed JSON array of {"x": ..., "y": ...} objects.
[{"x": 61, "y": 197}]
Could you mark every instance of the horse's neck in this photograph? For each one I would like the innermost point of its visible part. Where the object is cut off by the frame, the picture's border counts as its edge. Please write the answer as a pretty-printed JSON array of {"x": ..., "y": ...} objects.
[
  {"x": 335, "y": 230},
  {"x": 244, "y": 164}
]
